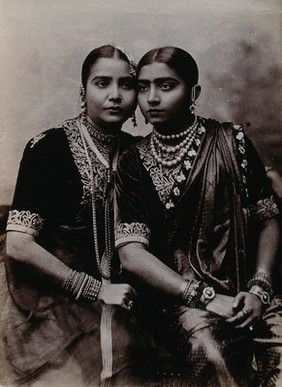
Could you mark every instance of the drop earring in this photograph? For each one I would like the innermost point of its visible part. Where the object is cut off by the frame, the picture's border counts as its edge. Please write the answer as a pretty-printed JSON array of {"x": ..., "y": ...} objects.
[
  {"x": 133, "y": 119},
  {"x": 193, "y": 100}
]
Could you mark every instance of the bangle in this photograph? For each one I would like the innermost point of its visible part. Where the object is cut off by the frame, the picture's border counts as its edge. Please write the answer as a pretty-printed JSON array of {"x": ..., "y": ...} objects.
[
  {"x": 82, "y": 285},
  {"x": 262, "y": 279},
  {"x": 197, "y": 294},
  {"x": 264, "y": 296},
  {"x": 207, "y": 296}
]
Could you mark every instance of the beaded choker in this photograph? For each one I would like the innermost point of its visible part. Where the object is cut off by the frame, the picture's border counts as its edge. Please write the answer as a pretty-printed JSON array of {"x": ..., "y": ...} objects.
[{"x": 98, "y": 136}]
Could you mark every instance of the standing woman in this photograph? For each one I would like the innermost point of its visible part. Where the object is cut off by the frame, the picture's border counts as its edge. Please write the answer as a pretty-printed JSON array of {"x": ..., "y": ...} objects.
[
  {"x": 186, "y": 196},
  {"x": 66, "y": 322}
]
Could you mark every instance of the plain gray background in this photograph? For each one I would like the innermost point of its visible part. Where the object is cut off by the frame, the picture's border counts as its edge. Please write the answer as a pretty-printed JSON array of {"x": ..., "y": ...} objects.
[{"x": 237, "y": 45}]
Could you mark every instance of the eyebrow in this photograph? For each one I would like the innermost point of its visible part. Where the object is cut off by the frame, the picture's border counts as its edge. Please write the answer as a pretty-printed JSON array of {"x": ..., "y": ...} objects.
[
  {"x": 159, "y": 80},
  {"x": 106, "y": 77}
]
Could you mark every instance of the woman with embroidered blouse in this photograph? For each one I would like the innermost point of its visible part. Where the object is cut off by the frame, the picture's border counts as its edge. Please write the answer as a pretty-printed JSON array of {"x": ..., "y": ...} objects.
[
  {"x": 67, "y": 319},
  {"x": 187, "y": 195}
]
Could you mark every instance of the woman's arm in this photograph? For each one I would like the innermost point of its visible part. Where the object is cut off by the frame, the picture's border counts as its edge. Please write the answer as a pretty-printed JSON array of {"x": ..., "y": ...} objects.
[
  {"x": 23, "y": 248},
  {"x": 138, "y": 261},
  {"x": 268, "y": 244}
]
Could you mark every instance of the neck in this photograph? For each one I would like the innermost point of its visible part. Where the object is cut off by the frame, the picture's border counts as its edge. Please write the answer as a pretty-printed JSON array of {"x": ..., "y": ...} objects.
[
  {"x": 111, "y": 129},
  {"x": 175, "y": 126}
]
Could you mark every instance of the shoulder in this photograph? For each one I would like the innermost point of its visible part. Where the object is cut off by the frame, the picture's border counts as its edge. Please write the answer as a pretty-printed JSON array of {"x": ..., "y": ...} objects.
[
  {"x": 51, "y": 142},
  {"x": 226, "y": 126},
  {"x": 127, "y": 140},
  {"x": 48, "y": 137}
]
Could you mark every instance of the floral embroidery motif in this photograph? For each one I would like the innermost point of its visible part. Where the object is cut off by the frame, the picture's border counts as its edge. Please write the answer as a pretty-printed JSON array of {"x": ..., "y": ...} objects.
[
  {"x": 132, "y": 229},
  {"x": 264, "y": 209},
  {"x": 25, "y": 219},
  {"x": 165, "y": 179},
  {"x": 105, "y": 146},
  {"x": 241, "y": 146},
  {"x": 36, "y": 139}
]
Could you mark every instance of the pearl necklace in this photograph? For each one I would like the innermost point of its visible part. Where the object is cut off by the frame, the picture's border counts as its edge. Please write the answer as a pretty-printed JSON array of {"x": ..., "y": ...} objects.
[
  {"x": 182, "y": 148},
  {"x": 168, "y": 137}
]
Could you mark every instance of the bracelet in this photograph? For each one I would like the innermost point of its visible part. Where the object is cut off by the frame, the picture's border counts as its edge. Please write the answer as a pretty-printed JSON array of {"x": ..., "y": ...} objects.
[
  {"x": 264, "y": 296},
  {"x": 208, "y": 295},
  {"x": 197, "y": 294},
  {"x": 82, "y": 285},
  {"x": 262, "y": 279}
]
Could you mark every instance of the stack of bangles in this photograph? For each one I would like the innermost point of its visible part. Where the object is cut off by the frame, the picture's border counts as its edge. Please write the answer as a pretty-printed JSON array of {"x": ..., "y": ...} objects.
[
  {"x": 82, "y": 285},
  {"x": 261, "y": 286},
  {"x": 197, "y": 294}
]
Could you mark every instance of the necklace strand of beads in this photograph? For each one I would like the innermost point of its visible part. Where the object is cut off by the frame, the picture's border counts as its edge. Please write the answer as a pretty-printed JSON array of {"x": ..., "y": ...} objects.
[{"x": 178, "y": 151}]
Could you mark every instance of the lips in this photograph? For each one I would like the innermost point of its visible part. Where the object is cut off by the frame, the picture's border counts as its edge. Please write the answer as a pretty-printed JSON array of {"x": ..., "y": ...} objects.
[
  {"x": 114, "y": 109},
  {"x": 155, "y": 111}
]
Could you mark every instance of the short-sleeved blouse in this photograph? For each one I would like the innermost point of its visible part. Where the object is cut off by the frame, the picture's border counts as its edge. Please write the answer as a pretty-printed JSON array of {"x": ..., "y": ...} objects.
[{"x": 195, "y": 215}]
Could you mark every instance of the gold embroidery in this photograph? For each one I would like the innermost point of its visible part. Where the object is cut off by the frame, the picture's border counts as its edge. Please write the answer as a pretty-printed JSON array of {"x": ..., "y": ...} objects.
[
  {"x": 264, "y": 209},
  {"x": 25, "y": 219},
  {"x": 132, "y": 229}
]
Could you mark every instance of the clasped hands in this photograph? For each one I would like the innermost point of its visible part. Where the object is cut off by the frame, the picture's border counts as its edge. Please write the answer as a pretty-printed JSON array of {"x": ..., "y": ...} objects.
[{"x": 241, "y": 311}]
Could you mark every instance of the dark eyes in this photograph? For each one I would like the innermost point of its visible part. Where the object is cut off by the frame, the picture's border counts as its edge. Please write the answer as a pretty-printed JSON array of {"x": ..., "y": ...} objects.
[
  {"x": 101, "y": 84},
  {"x": 125, "y": 84},
  {"x": 128, "y": 84},
  {"x": 142, "y": 87},
  {"x": 165, "y": 86}
]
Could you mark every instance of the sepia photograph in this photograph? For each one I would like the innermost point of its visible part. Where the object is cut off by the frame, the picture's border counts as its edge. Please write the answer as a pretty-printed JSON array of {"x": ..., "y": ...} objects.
[{"x": 141, "y": 193}]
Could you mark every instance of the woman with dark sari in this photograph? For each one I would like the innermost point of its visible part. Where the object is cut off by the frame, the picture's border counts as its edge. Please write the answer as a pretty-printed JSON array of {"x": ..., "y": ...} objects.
[
  {"x": 67, "y": 320},
  {"x": 187, "y": 196}
]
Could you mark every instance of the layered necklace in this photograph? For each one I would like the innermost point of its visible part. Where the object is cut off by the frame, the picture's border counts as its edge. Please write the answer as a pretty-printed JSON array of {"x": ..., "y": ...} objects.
[
  {"x": 104, "y": 264},
  {"x": 167, "y": 155}
]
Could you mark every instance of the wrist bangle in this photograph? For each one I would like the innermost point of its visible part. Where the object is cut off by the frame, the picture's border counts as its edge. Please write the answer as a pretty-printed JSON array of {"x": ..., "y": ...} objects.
[
  {"x": 197, "y": 294},
  {"x": 262, "y": 279},
  {"x": 81, "y": 285},
  {"x": 264, "y": 296},
  {"x": 207, "y": 296}
]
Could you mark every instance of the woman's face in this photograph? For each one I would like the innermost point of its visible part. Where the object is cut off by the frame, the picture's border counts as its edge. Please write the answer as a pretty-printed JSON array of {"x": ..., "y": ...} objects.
[
  {"x": 162, "y": 94},
  {"x": 110, "y": 93}
]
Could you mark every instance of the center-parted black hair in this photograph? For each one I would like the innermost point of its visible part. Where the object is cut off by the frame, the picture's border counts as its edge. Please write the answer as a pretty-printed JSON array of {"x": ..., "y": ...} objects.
[
  {"x": 177, "y": 59},
  {"x": 107, "y": 51}
]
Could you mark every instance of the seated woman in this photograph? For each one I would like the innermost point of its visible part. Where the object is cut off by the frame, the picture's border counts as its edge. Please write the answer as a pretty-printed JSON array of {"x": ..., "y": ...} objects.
[
  {"x": 187, "y": 195},
  {"x": 66, "y": 321}
]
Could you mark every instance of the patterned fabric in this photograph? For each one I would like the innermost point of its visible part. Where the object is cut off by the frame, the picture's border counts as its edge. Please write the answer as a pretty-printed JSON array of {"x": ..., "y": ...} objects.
[
  {"x": 106, "y": 145},
  {"x": 264, "y": 208},
  {"x": 136, "y": 232},
  {"x": 168, "y": 181},
  {"x": 52, "y": 202},
  {"x": 203, "y": 236},
  {"x": 24, "y": 221}
]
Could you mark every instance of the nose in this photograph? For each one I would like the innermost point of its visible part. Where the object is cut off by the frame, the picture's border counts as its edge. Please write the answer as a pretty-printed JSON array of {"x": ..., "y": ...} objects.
[
  {"x": 153, "y": 97},
  {"x": 114, "y": 93}
]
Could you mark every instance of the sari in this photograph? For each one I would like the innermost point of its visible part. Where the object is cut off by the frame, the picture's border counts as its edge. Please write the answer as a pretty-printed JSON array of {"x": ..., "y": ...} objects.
[
  {"x": 50, "y": 337},
  {"x": 196, "y": 218}
]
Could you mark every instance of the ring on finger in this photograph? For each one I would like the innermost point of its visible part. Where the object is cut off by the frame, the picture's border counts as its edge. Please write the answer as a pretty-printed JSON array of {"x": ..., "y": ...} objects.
[
  {"x": 130, "y": 304},
  {"x": 245, "y": 312}
]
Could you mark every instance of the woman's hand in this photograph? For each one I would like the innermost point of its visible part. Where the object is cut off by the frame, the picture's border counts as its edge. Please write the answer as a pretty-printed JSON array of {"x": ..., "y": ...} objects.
[
  {"x": 221, "y": 305},
  {"x": 117, "y": 294},
  {"x": 248, "y": 310}
]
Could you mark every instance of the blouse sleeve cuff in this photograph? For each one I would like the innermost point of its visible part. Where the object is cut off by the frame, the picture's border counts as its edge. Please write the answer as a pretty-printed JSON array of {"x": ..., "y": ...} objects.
[
  {"x": 131, "y": 232},
  {"x": 24, "y": 221},
  {"x": 264, "y": 209}
]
